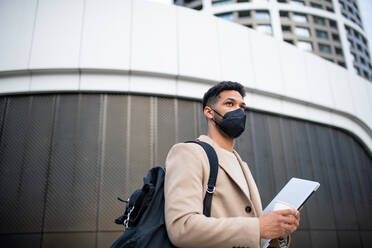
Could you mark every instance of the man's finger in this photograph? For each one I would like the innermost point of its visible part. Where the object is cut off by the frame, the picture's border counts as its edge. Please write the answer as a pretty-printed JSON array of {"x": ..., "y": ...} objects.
[
  {"x": 287, "y": 212},
  {"x": 289, "y": 228},
  {"x": 289, "y": 219},
  {"x": 298, "y": 215}
]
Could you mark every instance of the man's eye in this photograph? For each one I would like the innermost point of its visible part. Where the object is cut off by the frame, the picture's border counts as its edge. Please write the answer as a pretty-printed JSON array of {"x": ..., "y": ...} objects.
[{"x": 229, "y": 103}]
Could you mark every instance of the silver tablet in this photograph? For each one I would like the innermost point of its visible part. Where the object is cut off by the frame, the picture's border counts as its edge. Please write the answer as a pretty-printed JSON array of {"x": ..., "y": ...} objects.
[{"x": 295, "y": 193}]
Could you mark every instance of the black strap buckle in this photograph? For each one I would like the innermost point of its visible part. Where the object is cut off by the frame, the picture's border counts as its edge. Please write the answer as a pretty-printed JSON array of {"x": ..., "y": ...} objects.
[{"x": 210, "y": 189}]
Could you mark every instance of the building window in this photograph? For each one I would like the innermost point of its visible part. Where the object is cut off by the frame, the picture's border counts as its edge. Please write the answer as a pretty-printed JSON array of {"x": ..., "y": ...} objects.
[
  {"x": 338, "y": 51},
  {"x": 341, "y": 63},
  {"x": 348, "y": 30},
  {"x": 227, "y": 16},
  {"x": 362, "y": 60},
  {"x": 300, "y": 31},
  {"x": 198, "y": 7},
  {"x": 262, "y": 15},
  {"x": 342, "y": 5},
  {"x": 359, "y": 47},
  {"x": 324, "y": 48},
  {"x": 321, "y": 34},
  {"x": 319, "y": 20},
  {"x": 187, "y": 1},
  {"x": 335, "y": 37},
  {"x": 354, "y": 57},
  {"x": 357, "y": 71},
  {"x": 286, "y": 29},
  {"x": 245, "y": 15},
  {"x": 284, "y": 14},
  {"x": 351, "y": 45},
  {"x": 263, "y": 28},
  {"x": 327, "y": 58},
  {"x": 332, "y": 24},
  {"x": 223, "y": 2},
  {"x": 289, "y": 41},
  {"x": 298, "y": 2},
  {"x": 315, "y": 5},
  {"x": 364, "y": 41},
  {"x": 305, "y": 45},
  {"x": 299, "y": 18}
]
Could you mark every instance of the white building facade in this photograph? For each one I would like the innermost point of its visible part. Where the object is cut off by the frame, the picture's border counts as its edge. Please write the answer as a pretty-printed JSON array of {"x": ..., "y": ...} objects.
[{"x": 77, "y": 75}]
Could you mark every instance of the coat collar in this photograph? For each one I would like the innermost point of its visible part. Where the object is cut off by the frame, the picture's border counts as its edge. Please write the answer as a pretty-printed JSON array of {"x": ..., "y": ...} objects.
[
  {"x": 254, "y": 195},
  {"x": 224, "y": 162}
]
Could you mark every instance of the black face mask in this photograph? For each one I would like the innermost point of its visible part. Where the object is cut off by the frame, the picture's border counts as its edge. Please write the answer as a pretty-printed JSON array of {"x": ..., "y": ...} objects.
[{"x": 232, "y": 123}]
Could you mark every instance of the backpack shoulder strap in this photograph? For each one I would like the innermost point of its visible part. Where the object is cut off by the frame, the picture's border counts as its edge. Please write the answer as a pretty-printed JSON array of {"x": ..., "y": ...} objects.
[{"x": 213, "y": 164}]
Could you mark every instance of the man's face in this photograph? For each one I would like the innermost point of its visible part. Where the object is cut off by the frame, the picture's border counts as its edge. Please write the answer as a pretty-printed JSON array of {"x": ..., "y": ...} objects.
[{"x": 228, "y": 100}]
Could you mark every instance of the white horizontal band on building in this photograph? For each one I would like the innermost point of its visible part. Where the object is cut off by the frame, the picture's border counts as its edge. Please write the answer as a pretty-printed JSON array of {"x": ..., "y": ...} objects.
[{"x": 150, "y": 48}]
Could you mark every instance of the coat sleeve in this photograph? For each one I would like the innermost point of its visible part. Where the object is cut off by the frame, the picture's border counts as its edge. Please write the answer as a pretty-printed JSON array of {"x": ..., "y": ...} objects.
[{"x": 185, "y": 222}]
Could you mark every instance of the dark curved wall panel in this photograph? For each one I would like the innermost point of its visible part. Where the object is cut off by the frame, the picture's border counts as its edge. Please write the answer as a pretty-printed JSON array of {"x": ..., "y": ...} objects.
[{"x": 64, "y": 158}]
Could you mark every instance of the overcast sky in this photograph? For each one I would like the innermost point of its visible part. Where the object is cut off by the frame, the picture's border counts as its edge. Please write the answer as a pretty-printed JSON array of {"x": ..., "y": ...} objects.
[{"x": 366, "y": 13}]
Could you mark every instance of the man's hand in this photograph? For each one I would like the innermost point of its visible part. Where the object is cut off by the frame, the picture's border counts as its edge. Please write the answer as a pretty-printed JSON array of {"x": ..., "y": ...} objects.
[{"x": 280, "y": 223}]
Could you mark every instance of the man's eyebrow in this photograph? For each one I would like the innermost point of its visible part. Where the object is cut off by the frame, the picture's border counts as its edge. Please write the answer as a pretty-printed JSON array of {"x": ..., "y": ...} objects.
[
  {"x": 233, "y": 99},
  {"x": 230, "y": 98}
]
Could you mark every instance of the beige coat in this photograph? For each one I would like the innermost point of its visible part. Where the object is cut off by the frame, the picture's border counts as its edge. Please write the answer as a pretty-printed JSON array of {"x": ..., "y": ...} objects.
[{"x": 233, "y": 221}]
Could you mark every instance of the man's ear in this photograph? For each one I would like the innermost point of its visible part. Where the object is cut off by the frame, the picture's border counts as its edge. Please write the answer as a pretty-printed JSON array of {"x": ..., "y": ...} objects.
[{"x": 208, "y": 112}]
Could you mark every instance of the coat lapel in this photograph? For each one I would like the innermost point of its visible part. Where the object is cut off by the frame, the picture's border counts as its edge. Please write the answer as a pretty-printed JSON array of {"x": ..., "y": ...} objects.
[
  {"x": 226, "y": 166},
  {"x": 253, "y": 190}
]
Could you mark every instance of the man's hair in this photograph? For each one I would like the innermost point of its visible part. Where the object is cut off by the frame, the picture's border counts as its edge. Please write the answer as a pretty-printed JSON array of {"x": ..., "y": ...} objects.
[{"x": 211, "y": 96}]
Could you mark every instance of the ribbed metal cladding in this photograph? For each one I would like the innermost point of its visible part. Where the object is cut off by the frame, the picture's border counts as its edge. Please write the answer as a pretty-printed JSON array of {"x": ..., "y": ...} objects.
[{"x": 64, "y": 158}]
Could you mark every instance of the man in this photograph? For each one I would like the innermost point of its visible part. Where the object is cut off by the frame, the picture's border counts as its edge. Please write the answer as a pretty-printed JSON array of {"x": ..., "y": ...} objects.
[{"x": 236, "y": 215}]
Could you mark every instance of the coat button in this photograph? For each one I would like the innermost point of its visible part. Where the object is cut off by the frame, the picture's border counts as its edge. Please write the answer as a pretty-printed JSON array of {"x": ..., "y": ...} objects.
[{"x": 248, "y": 209}]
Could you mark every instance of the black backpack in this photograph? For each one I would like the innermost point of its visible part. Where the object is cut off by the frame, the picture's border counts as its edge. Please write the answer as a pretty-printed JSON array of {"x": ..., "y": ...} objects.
[{"x": 144, "y": 214}]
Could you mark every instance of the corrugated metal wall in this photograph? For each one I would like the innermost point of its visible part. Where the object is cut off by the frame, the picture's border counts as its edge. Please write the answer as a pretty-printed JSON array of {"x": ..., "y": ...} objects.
[{"x": 65, "y": 158}]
